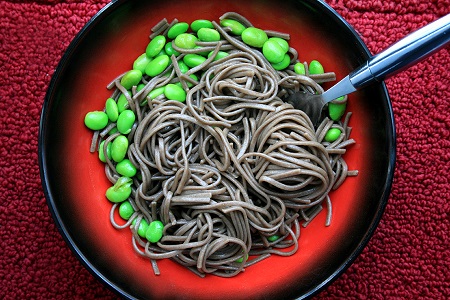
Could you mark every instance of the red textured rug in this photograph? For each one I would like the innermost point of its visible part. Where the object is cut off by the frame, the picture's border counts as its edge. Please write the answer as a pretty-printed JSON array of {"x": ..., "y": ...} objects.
[{"x": 409, "y": 254}]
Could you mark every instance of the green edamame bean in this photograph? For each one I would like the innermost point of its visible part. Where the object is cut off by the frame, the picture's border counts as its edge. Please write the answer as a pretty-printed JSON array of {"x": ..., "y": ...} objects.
[
  {"x": 186, "y": 41},
  {"x": 208, "y": 35},
  {"x": 139, "y": 87},
  {"x": 125, "y": 121},
  {"x": 111, "y": 109},
  {"x": 241, "y": 259},
  {"x": 126, "y": 210},
  {"x": 120, "y": 191},
  {"x": 198, "y": 24},
  {"x": 193, "y": 76},
  {"x": 315, "y": 67},
  {"x": 131, "y": 78},
  {"x": 282, "y": 42},
  {"x": 254, "y": 37},
  {"x": 156, "y": 92},
  {"x": 175, "y": 92},
  {"x": 193, "y": 60},
  {"x": 126, "y": 168},
  {"x": 119, "y": 148},
  {"x": 235, "y": 27},
  {"x": 122, "y": 103},
  {"x": 162, "y": 52},
  {"x": 113, "y": 130},
  {"x": 332, "y": 135},
  {"x": 96, "y": 120},
  {"x": 154, "y": 231},
  {"x": 143, "y": 226},
  {"x": 157, "y": 65},
  {"x": 141, "y": 62},
  {"x": 183, "y": 67},
  {"x": 283, "y": 64},
  {"x": 177, "y": 29},
  {"x": 273, "y": 238},
  {"x": 202, "y": 53},
  {"x": 220, "y": 55},
  {"x": 189, "y": 84},
  {"x": 299, "y": 68},
  {"x": 169, "y": 50},
  {"x": 155, "y": 46},
  {"x": 336, "y": 108},
  {"x": 273, "y": 52},
  {"x": 153, "y": 94},
  {"x": 101, "y": 153}
]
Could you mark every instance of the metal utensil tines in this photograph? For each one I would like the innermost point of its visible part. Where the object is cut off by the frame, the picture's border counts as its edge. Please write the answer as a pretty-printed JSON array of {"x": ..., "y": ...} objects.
[{"x": 401, "y": 55}]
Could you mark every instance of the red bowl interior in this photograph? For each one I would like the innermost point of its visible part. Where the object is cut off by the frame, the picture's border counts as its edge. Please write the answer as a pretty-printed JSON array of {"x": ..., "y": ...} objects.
[{"x": 75, "y": 183}]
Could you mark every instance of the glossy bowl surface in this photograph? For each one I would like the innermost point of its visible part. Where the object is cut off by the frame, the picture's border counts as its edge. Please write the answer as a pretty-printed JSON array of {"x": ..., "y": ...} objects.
[{"x": 75, "y": 184}]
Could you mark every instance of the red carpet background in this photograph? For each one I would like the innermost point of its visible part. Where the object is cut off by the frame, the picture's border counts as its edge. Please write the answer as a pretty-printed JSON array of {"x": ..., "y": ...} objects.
[{"x": 408, "y": 256}]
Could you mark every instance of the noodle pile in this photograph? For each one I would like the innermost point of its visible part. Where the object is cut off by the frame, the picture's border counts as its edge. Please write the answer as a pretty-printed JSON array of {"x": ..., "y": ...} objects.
[{"x": 233, "y": 171}]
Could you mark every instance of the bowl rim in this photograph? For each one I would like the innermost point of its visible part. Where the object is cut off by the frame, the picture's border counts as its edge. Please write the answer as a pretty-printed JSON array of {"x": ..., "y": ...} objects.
[{"x": 103, "y": 13}]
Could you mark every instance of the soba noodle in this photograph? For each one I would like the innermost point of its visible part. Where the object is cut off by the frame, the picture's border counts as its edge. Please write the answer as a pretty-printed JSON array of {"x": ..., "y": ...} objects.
[{"x": 233, "y": 171}]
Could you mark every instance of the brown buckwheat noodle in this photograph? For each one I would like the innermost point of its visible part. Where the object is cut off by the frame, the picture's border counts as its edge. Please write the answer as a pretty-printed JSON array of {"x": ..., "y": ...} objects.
[{"x": 234, "y": 171}]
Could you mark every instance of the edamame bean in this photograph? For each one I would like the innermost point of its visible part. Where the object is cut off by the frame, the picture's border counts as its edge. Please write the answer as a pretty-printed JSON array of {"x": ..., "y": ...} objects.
[
  {"x": 126, "y": 210},
  {"x": 169, "y": 50},
  {"x": 141, "y": 62},
  {"x": 122, "y": 103},
  {"x": 241, "y": 259},
  {"x": 315, "y": 67},
  {"x": 131, "y": 78},
  {"x": 113, "y": 130},
  {"x": 155, "y": 46},
  {"x": 154, "y": 231},
  {"x": 177, "y": 29},
  {"x": 299, "y": 68},
  {"x": 235, "y": 27},
  {"x": 203, "y": 53},
  {"x": 111, "y": 109},
  {"x": 273, "y": 52},
  {"x": 125, "y": 121},
  {"x": 208, "y": 35},
  {"x": 101, "y": 153},
  {"x": 193, "y": 60},
  {"x": 175, "y": 92},
  {"x": 254, "y": 37},
  {"x": 220, "y": 55},
  {"x": 283, "y": 64},
  {"x": 156, "y": 92},
  {"x": 120, "y": 191},
  {"x": 198, "y": 24},
  {"x": 332, "y": 135},
  {"x": 153, "y": 94},
  {"x": 157, "y": 65},
  {"x": 126, "y": 168},
  {"x": 186, "y": 41},
  {"x": 183, "y": 67},
  {"x": 96, "y": 120},
  {"x": 189, "y": 84},
  {"x": 139, "y": 87},
  {"x": 282, "y": 42},
  {"x": 143, "y": 227},
  {"x": 335, "y": 109},
  {"x": 162, "y": 52},
  {"x": 119, "y": 148},
  {"x": 273, "y": 238}
]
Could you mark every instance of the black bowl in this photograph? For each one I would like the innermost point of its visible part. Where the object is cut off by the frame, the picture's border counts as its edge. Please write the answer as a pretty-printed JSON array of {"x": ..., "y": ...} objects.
[{"x": 74, "y": 181}]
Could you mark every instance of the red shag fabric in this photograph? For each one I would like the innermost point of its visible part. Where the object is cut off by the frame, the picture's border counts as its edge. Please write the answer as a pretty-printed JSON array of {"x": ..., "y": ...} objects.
[{"x": 408, "y": 256}]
